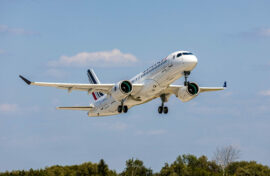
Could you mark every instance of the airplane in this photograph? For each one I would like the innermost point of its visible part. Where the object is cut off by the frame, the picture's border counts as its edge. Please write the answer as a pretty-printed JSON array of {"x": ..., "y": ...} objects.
[{"x": 154, "y": 82}]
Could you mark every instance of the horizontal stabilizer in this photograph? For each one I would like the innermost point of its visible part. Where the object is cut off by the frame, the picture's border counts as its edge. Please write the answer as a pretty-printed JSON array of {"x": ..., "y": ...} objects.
[{"x": 79, "y": 108}]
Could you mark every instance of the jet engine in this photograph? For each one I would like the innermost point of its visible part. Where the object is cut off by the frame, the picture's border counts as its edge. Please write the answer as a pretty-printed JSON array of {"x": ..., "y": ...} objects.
[
  {"x": 188, "y": 92},
  {"x": 121, "y": 90}
]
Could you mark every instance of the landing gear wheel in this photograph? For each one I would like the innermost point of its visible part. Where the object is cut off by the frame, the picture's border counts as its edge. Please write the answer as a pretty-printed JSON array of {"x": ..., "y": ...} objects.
[
  {"x": 165, "y": 110},
  {"x": 119, "y": 109},
  {"x": 125, "y": 109},
  {"x": 160, "y": 109}
]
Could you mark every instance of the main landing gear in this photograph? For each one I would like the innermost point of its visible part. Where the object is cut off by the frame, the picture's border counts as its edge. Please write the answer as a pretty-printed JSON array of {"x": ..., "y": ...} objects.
[
  {"x": 164, "y": 98},
  {"x": 122, "y": 108},
  {"x": 163, "y": 108}
]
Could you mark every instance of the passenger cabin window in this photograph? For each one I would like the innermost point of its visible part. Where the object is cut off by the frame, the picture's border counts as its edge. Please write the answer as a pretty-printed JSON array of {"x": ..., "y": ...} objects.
[{"x": 180, "y": 54}]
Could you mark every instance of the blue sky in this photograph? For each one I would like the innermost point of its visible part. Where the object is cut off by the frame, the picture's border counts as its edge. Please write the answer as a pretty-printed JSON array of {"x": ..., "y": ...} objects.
[{"x": 58, "y": 41}]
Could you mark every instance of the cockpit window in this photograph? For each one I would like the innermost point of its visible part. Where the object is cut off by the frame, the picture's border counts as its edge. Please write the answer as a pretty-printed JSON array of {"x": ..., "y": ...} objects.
[
  {"x": 187, "y": 54},
  {"x": 180, "y": 54}
]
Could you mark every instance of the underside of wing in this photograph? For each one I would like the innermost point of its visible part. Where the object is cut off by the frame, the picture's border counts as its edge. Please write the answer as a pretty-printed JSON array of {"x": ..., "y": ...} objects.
[
  {"x": 174, "y": 89},
  {"x": 189, "y": 91},
  {"x": 136, "y": 88},
  {"x": 209, "y": 89},
  {"x": 79, "y": 108},
  {"x": 104, "y": 88}
]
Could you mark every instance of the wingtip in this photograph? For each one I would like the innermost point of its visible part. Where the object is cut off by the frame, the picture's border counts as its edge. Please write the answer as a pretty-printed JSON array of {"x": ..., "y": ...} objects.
[
  {"x": 225, "y": 84},
  {"x": 25, "y": 80}
]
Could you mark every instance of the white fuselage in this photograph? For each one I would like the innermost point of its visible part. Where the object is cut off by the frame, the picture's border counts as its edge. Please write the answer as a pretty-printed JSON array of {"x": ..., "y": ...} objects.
[{"x": 155, "y": 80}]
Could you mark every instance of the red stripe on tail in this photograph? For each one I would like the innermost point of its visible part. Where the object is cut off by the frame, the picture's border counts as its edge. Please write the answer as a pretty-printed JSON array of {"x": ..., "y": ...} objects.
[{"x": 94, "y": 95}]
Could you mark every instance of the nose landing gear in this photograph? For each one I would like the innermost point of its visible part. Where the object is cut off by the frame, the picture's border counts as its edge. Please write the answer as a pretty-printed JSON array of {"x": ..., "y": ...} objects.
[{"x": 186, "y": 74}]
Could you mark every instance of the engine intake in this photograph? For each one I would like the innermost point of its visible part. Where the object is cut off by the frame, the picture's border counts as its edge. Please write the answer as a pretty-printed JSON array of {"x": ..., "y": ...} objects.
[
  {"x": 188, "y": 92},
  {"x": 121, "y": 90},
  {"x": 125, "y": 87},
  {"x": 192, "y": 88}
]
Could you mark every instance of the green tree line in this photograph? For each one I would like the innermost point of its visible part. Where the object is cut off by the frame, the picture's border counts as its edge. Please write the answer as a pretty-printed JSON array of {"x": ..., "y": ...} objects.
[{"x": 184, "y": 165}]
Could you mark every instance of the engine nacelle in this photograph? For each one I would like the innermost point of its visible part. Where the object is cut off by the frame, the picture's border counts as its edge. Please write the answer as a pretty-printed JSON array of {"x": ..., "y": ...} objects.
[
  {"x": 121, "y": 90},
  {"x": 188, "y": 92}
]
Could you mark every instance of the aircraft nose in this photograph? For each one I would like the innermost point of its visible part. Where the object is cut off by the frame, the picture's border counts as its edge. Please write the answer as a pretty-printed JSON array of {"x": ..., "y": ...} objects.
[{"x": 190, "y": 61}]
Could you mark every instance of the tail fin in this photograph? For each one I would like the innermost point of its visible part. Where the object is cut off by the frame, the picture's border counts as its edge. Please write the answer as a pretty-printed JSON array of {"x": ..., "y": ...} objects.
[{"x": 93, "y": 79}]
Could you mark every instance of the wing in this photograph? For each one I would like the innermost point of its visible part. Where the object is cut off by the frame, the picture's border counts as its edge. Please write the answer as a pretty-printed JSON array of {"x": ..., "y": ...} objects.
[
  {"x": 80, "y": 108},
  {"x": 209, "y": 89},
  {"x": 104, "y": 88},
  {"x": 173, "y": 89}
]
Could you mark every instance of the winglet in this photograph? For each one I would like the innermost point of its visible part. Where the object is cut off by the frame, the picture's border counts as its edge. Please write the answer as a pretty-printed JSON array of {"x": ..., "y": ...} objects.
[
  {"x": 225, "y": 84},
  {"x": 25, "y": 80}
]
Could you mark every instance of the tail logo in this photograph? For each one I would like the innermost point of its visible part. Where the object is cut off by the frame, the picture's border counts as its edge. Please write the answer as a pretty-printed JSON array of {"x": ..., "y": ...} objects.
[{"x": 94, "y": 80}]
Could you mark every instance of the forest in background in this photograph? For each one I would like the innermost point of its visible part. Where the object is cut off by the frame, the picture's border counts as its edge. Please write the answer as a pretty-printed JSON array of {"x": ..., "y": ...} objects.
[{"x": 184, "y": 165}]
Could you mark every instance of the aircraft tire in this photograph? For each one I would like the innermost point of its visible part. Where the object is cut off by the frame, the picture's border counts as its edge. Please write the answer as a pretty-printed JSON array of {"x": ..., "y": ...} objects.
[
  {"x": 160, "y": 109},
  {"x": 165, "y": 110},
  {"x": 125, "y": 109},
  {"x": 120, "y": 109}
]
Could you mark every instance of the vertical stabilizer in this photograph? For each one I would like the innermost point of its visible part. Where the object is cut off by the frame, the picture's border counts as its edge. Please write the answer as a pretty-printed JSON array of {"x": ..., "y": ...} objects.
[{"x": 93, "y": 79}]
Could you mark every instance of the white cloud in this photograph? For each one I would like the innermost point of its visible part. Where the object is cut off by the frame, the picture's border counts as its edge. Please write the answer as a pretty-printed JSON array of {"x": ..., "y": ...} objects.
[
  {"x": 2, "y": 51},
  {"x": 256, "y": 33},
  {"x": 227, "y": 94},
  {"x": 265, "y": 93},
  {"x": 151, "y": 132},
  {"x": 204, "y": 109},
  {"x": 15, "y": 108},
  {"x": 156, "y": 132},
  {"x": 8, "y": 107},
  {"x": 100, "y": 59},
  {"x": 16, "y": 31},
  {"x": 55, "y": 73},
  {"x": 264, "y": 32},
  {"x": 116, "y": 126}
]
